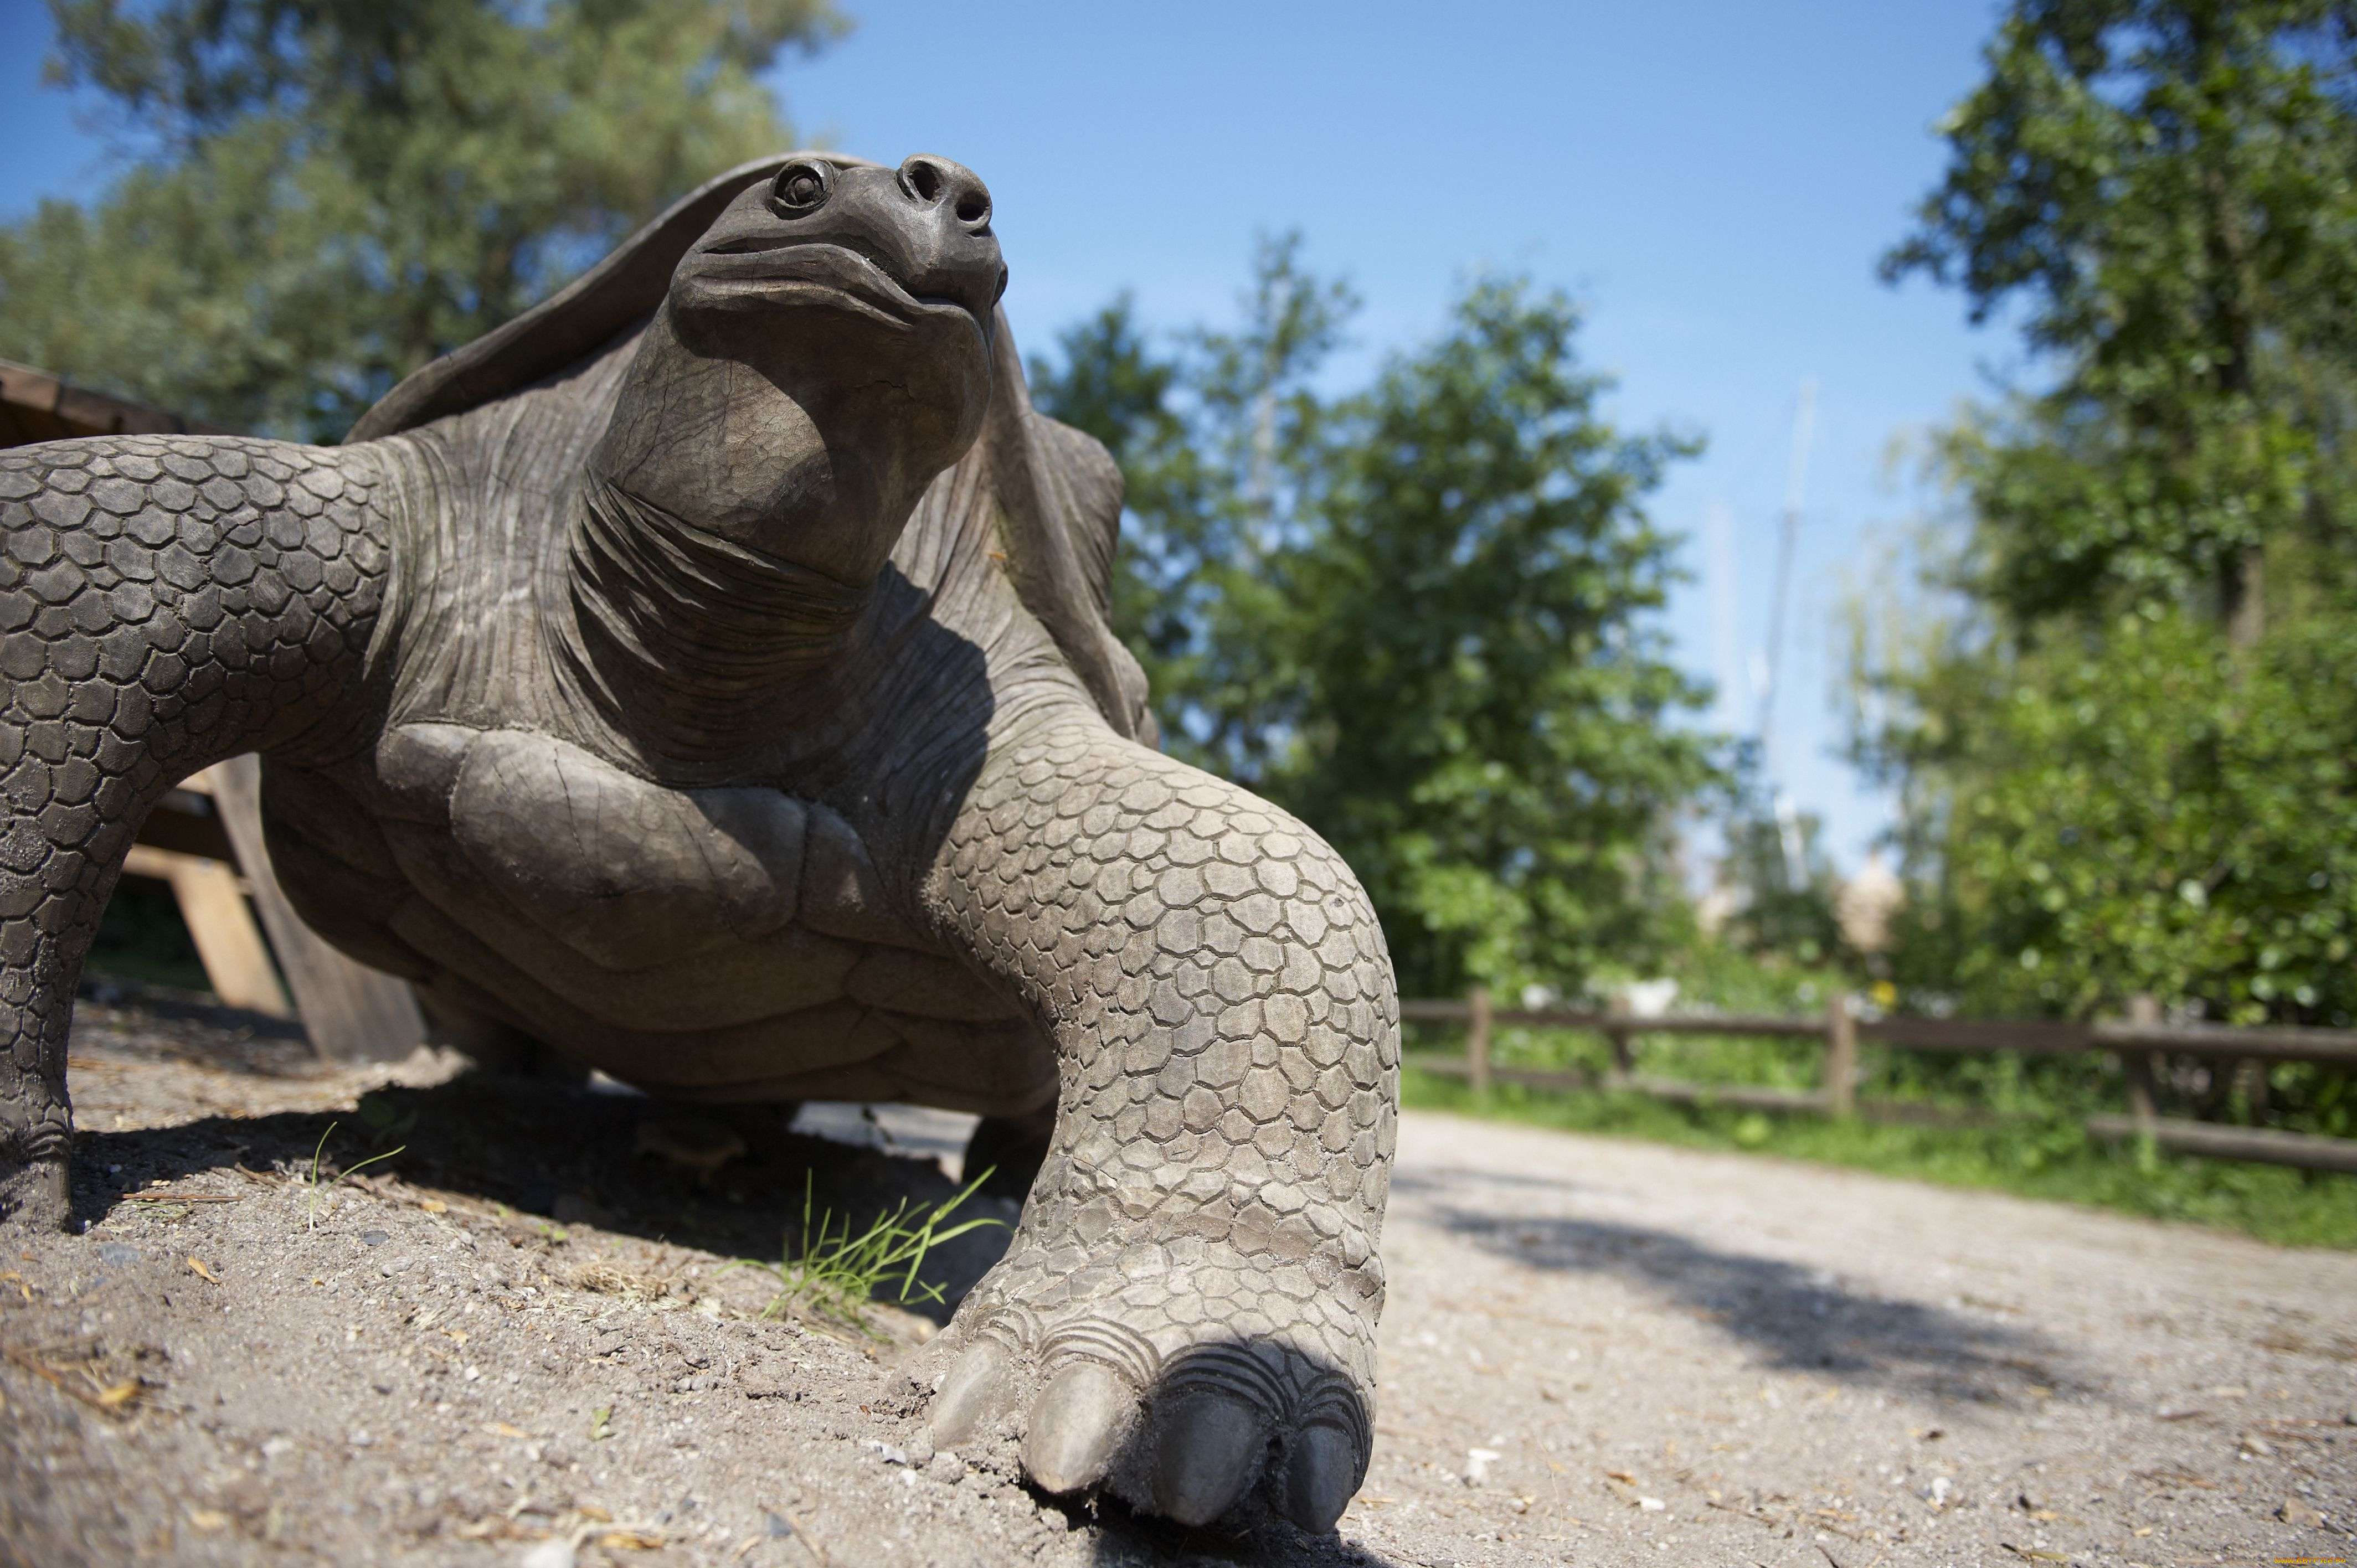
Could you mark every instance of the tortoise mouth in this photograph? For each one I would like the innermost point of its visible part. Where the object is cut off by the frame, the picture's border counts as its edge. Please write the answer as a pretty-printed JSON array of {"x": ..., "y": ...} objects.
[{"x": 782, "y": 270}]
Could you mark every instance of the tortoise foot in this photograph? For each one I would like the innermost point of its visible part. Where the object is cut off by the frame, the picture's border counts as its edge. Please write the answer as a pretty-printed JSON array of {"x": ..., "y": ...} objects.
[{"x": 1186, "y": 1379}]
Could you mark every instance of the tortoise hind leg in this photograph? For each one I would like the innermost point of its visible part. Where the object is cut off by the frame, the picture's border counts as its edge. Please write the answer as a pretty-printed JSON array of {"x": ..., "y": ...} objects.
[{"x": 166, "y": 602}]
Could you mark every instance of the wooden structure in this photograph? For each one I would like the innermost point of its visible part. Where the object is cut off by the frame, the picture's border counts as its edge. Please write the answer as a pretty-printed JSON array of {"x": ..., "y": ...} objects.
[
  {"x": 2141, "y": 1040},
  {"x": 36, "y": 406},
  {"x": 205, "y": 838}
]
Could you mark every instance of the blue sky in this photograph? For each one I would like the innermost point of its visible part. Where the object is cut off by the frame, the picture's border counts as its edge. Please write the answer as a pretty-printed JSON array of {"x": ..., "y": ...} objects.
[{"x": 1715, "y": 180}]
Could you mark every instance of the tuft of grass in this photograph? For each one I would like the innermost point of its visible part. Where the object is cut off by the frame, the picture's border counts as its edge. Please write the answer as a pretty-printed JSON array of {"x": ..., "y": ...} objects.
[
  {"x": 2044, "y": 1158},
  {"x": 311, "y": 1214},
  {"x": 829, "y": 1273}
]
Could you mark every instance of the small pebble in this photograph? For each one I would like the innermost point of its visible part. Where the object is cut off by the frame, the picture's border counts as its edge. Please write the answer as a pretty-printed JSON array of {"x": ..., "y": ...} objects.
[
  {"x": 554, "y": 1552},
  {"x": 117, "y": 1253},
  {"x": 374, "y": 1238}
]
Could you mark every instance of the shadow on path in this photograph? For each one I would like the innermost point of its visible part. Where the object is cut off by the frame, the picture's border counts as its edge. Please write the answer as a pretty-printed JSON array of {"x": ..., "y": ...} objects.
[
  {"x": 1790, "y": 1316},
  {"x": 557, "y": 1155}
]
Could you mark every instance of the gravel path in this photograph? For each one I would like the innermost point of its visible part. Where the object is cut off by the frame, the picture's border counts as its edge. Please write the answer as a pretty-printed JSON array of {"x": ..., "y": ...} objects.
[
  {"x": 520, "y": 1346},
  {"x": 1727, "y": 1359}
]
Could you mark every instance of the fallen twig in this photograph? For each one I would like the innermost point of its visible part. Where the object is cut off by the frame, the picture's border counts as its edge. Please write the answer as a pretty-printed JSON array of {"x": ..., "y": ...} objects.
[
  {"x": 802, "y": 1534},
  {"x": 109, "y": 1400}
]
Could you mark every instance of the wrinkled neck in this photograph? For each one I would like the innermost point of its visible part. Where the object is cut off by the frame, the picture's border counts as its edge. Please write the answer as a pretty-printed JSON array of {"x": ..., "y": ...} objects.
[{"x": 684, "y": 635}]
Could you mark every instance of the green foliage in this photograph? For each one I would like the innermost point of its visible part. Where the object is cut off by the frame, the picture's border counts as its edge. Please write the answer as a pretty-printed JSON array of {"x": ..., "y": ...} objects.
[
  {"x": 833, "y": 1273},
  {"x": 325, "y": 194},
  {"x": 1780, "y": 915},
  {"x": 1414, "y": 614},
  {"x": 143, "y": 937},
  {"x": 2141, "y": 810}
]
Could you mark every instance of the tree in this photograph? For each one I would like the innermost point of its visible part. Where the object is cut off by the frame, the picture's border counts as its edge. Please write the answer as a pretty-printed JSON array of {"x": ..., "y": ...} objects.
[
  {"x": 2119, "y": 721},
  {"x": 322, "y": 194},
  {"x": 2163, "y": 188},
  {"x": 1414, "y": 614}
]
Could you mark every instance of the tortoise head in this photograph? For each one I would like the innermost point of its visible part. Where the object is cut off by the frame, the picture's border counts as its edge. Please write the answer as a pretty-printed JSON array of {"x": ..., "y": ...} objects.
[
  {"x": 897, "y": 247},
  {"x": 823, "y": 351}
]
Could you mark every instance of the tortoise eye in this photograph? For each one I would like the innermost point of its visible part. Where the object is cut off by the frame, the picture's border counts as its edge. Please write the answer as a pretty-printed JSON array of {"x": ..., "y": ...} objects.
[{"x": 801, "y": 188}]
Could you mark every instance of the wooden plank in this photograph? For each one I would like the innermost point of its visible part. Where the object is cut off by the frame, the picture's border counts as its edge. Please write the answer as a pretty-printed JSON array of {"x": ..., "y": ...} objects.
[
  {"x": 1422, "y": 1011},
  {"x": 2036, "y": 1036},
  {"x": 352, "y": 1012},
  {"x": 1841, "y": 1057},
  {"x": 1477, "y": 1039},
  {"x": 2144, "y": 1083},
  {"x": 2280, "y": 1045},
  {"x": 1414, "y": 1011},
  {"x": 1758, "y": 1097},
  {"x": 78, "y": 411},
  {"x": 1743, "y": 1096},
  {"x": 2267, "y": 1145},
  {"x": 1617, "y": 1034},
  {"x": 1528, "y": 1077},
  {"x": 213, "y": 906}
]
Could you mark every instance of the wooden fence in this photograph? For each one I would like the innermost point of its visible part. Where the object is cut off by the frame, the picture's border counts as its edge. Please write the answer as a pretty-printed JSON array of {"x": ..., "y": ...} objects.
[{"x": 2143, "y": 1043}]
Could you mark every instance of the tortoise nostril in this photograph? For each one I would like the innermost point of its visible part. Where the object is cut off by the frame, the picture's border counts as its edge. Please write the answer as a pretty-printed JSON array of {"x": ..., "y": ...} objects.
[
  {"x": 933, "y": 182},
  {"x": 923, "y": 179}
]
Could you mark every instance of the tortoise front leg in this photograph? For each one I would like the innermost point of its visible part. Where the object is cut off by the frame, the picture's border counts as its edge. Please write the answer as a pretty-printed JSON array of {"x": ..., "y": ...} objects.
[
  {"x": 1189, "y": 1303},
  {"x": 166, "y": 602}
]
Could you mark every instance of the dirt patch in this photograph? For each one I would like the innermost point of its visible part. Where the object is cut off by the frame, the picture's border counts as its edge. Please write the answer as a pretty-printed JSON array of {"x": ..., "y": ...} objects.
[
  {"x": 514, "y": 1341},
  {"x": 514, "y": 1337}
]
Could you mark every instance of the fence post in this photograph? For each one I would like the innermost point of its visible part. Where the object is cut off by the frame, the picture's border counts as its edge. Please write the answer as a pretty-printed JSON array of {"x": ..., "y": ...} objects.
[
  {"x": 1477, "y": 1040},
  {"x": 2144, "y": 1104},
  {"x": 1616, "y": 1007},
  {"x": 1841, "y": 1057},
  {"x": 2252, "y": 1075}
]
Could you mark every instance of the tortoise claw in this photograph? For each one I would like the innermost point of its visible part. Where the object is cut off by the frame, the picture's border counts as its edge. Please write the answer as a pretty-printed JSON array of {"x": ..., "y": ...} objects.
[
  {"x": 972, "y": 1398},
  {"x": 1204, "y": 1457},
  {"x": 1322, "y": 1473},
  {"x": 1076, "y": 1423}
]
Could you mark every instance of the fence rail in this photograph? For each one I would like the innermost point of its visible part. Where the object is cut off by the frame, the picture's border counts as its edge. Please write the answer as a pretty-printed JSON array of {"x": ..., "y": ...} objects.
[{"x": 2141, "y": 1040}]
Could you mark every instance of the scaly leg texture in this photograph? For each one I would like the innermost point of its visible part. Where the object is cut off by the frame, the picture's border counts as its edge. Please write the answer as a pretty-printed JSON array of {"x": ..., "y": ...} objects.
[
  {"x": 164, "y": 602},
  {"x": 1187, "y": 1314}
]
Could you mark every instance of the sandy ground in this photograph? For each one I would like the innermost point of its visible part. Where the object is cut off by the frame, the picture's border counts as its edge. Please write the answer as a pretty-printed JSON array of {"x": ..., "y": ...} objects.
[{"x": 512, "y": 1345}]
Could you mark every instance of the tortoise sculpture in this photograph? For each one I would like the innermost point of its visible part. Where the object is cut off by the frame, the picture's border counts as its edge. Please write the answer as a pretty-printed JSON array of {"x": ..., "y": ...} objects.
[{"x": 708, "y": 672}]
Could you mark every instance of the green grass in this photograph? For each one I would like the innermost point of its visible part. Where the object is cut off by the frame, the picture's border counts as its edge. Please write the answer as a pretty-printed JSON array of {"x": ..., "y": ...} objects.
[
  {"x": 833, "y": 1273},
  {"x": 2043, "y": 1158}
]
